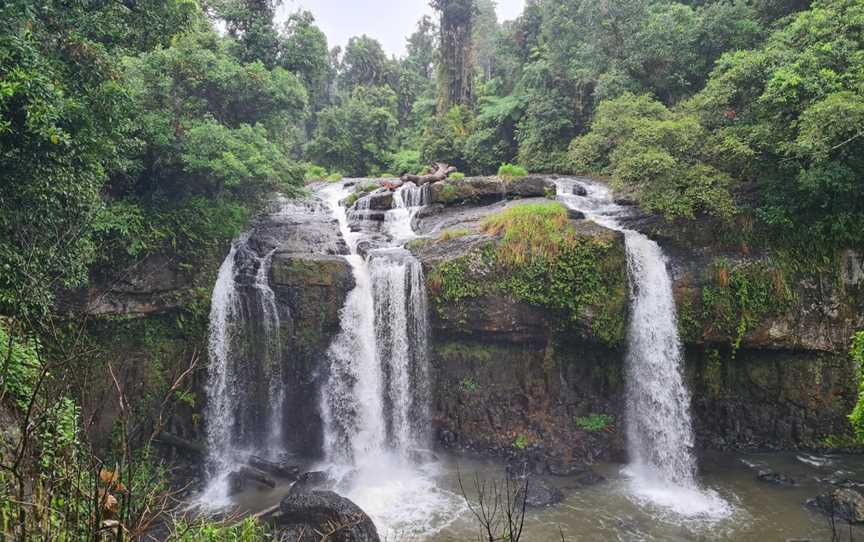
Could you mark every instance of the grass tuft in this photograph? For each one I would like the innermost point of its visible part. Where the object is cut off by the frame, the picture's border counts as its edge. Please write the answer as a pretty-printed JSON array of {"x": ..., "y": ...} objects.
[{"x": 536, "y": 230}]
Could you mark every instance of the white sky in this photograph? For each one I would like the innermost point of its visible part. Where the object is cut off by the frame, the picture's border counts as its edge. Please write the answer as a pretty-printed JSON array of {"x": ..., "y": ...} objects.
[{"x": 388, "y": 21}]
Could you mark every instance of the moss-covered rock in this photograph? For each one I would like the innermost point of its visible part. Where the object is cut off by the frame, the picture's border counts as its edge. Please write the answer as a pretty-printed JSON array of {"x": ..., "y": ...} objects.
[{"x": 533, "y": 271}]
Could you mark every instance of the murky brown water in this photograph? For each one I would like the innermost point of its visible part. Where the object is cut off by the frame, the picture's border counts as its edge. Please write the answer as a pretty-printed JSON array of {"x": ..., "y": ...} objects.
[{"x": 405, "y": 508}]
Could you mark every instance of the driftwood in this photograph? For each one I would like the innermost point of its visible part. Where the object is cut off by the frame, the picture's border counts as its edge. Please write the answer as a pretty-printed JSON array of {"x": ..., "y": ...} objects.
[
  {"x": 181, "y": 443},
  {"x": 438, "y": 172},
  {"x": 276, "y": 468}
]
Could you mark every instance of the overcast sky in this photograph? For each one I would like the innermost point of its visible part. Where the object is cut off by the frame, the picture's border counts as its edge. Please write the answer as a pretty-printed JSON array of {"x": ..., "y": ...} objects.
[{"x": 388, "y": 21}]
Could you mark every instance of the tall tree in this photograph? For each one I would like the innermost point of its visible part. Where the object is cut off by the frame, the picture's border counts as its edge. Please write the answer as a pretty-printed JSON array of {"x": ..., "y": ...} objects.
[
  {"x": 303, "y": 51},
  {"x": 456, "y": 59},
  {"x": 485, "y": 36},
  {"x": 250, "y": 22},
  {"x": 364, "y": 64}
]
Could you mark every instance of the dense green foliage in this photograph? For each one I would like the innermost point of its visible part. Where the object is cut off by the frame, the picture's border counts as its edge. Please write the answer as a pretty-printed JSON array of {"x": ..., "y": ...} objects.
[{"x": 856, "y": 352}]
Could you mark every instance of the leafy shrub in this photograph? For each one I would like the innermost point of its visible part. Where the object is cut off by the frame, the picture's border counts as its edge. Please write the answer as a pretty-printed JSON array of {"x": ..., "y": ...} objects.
[
  {"x": 334, "y": 177},
  {"x": 594, "y": 423},
  {"x": 456, "y": 176},
  {"x": 664, "y": 157},
  {"x": 511, "y": 171},
  {"x": 469, "y": 385},
  {"x": 315, "y": 173},
  {"x": 741, "y": 296},
  {"x": 406, "y": 161},
  {"x": 22, "y": 368},
  {"x": 521, "y": 442}
]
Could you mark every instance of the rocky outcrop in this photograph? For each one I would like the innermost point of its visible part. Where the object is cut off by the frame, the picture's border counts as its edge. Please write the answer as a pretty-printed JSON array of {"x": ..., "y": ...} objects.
[
  {"x": 490, "y": 189},
  {"x": 514, "y": 378},
  {"x": 310, "y": 279},
  {"x": 312, "y": 516}
]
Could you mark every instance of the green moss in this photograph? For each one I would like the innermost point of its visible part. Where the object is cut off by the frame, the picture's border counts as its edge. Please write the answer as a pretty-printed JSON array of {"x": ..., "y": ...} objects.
[
  {"x": 594, "y": 423},
  {"x": 457, "y": 176},
  {"x": 520, "y": 442},
  {"x": 449, "y": 192},
  {"x": 739, "y": 297}
]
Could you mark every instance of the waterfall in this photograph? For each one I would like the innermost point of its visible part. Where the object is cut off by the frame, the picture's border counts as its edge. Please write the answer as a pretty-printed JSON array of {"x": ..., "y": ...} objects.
[
  {"x": 400, "y": 332},
  {"x": 376, "y": 398},
  {"x": 407, "y": 200},
  {"x": 376, "y": 402},
  {"x": 245, "y": 381},
  {"x": 659, "y": 428}
]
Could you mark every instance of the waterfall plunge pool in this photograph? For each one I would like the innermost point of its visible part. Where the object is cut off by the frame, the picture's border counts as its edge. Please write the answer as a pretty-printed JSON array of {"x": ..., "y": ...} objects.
[{"x": 411, "y": 503}]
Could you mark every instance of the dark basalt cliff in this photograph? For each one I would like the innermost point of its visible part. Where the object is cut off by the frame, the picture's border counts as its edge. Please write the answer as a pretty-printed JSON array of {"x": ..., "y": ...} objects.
[
  {"x": 766, "y": 346},
  {"x": 519, "y": 370}
]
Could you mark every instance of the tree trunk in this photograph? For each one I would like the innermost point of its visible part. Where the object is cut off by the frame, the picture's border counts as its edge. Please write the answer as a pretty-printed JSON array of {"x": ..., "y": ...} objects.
[{"x": 438, "y": 172}]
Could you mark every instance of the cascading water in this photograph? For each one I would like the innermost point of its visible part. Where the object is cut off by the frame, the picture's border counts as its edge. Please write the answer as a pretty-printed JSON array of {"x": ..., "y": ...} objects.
[
  {"x": 245, "y": 384},
  {"x": 375, "y": 405},
  {"x": 659, "y": 429}
]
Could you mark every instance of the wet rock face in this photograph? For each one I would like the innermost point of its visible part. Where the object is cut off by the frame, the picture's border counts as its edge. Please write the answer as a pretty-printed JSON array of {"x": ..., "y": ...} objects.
[
  {"x": 310, "y": 279},
  {"x": 763, "y": 400},
  {"x": 304, "y": 514},
  {"x": 508, "y": 381}
]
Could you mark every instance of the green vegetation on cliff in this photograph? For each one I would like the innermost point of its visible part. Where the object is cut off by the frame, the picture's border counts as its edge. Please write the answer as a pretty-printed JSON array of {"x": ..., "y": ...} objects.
[{"x": 539, "y": 258}]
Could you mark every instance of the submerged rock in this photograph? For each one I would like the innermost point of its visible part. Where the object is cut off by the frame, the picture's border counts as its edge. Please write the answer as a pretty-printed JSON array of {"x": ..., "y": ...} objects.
[
  {"x": 579, "y": 190},
  {"x": 304, "y": 514},
  {"x": 776, "y": 478},
  {"x": 843, "y": 503},
  {"x": 540, "y": 493}
]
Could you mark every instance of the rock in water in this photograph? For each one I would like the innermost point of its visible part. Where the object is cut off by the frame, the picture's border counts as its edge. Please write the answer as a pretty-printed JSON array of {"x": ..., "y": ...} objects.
[
  {"x": 579, "y": 190},
  {"x": 540, "y": 493},
  {"x": 776, "y": 478},
  {"x": 847, "y": 504},
  {"x": 303, "y": 514}
]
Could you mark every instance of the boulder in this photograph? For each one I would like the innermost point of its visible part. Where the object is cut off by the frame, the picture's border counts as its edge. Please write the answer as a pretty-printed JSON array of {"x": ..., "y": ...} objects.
[
  {"x": 531, "y": 186},
  {"x": 579, "y": 190},
  {"x": 540, "y": 493},
  {"x": 304, "y": 514},
  {"x": 474, "y": 189},
  {"x": 573, "y": 214},
  {"x": 378, "y": 200},
  {"x": 843, "y": 503}
]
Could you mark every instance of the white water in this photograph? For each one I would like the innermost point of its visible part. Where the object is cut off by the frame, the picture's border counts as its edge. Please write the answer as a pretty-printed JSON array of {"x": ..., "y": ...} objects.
[
  {"x": 230, "y": 390},
  {"x": 659, "y": 428},
  {"x": 375, "y": 405}
]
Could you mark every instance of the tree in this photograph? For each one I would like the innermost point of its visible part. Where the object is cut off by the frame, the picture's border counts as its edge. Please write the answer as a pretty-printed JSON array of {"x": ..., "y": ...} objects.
[
  {"x": 303, "y": 51},
  {"x": 485, "y": 35},
  {"x": 456, "y": 62},
  {"x": 359, "y": 135},
  {"x": 364, "y": 64},
  {"x": 421, "y": 46},
  {"x": 250, "y": 23},
  {"x": 796, "y": 104}
]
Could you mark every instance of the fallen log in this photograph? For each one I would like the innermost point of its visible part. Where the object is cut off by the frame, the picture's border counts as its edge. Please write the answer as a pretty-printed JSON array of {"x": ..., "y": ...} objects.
[
  {"x": 182, "y": 443},
  {"x": 276, "y": 468},
  {"x": 438, "y": 172}
]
